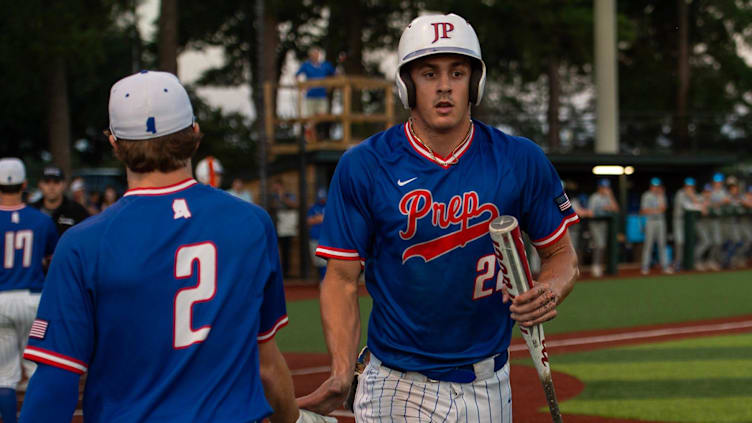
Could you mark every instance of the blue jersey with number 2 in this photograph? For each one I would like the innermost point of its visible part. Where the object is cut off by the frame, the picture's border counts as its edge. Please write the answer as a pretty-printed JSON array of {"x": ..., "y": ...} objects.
[
  {"x": 420, "y": 225},
  {"x": 163, "y": 299}
]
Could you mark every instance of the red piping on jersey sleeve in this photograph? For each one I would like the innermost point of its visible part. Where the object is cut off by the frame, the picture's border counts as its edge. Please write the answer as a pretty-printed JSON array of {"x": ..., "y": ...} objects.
[
  {"x": 52, "y": 358},
  {"x": 268, "y": 335},
  {"x": 337, "y": 253},
  {"x": 558, "y": 232}
]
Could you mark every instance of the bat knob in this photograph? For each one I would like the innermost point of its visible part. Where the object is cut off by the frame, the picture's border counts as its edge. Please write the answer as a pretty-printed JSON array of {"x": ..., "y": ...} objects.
[{"x": 503, "y": 223}]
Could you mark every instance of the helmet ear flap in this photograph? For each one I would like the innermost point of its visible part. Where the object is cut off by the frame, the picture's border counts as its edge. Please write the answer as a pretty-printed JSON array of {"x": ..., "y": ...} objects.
[
  {"x": 409, "y": 85},
  {"x": 475, "y": 75}
]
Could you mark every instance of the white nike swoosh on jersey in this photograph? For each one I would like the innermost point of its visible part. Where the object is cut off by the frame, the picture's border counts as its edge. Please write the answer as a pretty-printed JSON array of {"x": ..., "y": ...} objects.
[{"x": 403, "y": 183}]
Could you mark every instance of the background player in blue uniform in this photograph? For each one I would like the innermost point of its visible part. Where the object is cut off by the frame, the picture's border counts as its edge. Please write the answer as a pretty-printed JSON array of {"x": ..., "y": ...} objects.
[
  {"x": 28, "y": 240},
  {"x": 413, "y": 204},
  {"x": 315, "y": 220},
  {"x": 169, "y": 308}
]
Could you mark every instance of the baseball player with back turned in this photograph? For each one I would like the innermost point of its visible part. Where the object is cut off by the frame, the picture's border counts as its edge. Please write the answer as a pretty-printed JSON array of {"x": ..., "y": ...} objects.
[
  {"x": 413, "y": 203},
  {"x": 170, "y": 310},
  {"x": 29, "y": 238}
]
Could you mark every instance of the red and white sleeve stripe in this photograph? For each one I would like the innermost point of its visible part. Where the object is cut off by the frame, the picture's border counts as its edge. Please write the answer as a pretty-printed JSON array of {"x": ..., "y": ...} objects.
[
  {"x": 558, "y": 232},
  {"x": 52, "y": 358},
  {"x": 269, "y": 334},
  {"x": 337, "y": 253}
]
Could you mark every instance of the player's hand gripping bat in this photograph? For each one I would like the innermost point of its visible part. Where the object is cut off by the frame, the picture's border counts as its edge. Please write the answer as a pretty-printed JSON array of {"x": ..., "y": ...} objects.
[{"x": 510, "y": 254}]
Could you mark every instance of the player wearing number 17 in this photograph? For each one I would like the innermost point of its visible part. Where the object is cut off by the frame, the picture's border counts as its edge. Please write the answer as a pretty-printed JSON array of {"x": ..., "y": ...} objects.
[
  {"x": 414, "y": 204},
  {"x": 170, "y": 298},
  {"x": 28, "y": 239}
]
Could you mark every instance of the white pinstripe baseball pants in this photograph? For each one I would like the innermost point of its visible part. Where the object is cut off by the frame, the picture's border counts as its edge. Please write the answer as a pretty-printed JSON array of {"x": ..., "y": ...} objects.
[
  {"x": 18, "y": 308},
  {"x": 388, "y": 395}
]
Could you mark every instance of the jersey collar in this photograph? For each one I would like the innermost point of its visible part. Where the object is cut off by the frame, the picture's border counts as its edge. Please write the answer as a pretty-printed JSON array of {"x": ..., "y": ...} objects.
[
  {"x": 170, "y": 189},
  {"x": 13, "y": 208},
  {"x": 445, "y": 162}
]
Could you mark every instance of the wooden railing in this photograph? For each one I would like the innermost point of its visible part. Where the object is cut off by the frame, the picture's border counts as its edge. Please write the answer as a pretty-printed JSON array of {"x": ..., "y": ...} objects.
[{"x": 347, "y": 85}]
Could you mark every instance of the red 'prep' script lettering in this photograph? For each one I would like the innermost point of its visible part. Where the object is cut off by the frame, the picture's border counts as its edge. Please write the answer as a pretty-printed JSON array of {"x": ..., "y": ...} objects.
[{"x": 418, "y": 204}]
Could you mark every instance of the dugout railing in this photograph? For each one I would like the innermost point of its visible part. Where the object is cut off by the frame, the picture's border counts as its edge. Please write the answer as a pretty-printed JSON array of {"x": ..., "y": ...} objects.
[{"x": 729, "y": 230}]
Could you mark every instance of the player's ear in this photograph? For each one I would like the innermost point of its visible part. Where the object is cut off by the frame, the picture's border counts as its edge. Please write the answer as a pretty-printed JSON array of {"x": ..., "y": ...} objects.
[{"x": 197, "y": 131}]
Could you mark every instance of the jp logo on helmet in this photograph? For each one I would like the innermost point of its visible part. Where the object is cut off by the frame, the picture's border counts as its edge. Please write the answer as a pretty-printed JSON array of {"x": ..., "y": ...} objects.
[
  {"x": 446, "y": 28},
  {"x": 438, "y": 34}
]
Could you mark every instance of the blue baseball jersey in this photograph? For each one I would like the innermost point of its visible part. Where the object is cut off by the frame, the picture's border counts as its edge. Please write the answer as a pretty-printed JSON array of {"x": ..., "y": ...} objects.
[
  {"x": 28, "y": 237},
  {"x": 313, "y": 71},
  {"x": 163, "y": 299},
  {"x": 314, "y": 231},
  {"x": 419, "y": 223}
]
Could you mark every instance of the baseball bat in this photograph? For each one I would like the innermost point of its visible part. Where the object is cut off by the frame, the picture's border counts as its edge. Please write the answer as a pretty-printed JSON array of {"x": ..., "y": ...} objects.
[{"x": 516, "y": 276}]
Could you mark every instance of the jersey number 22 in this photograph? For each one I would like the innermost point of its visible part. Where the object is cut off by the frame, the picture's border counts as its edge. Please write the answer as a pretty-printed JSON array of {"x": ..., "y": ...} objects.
[{"x": 205, "y": 254}]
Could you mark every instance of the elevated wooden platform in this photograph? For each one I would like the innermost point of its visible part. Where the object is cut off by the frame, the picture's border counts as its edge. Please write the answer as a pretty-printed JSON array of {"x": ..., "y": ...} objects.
[{"x": 347, "y": 86}]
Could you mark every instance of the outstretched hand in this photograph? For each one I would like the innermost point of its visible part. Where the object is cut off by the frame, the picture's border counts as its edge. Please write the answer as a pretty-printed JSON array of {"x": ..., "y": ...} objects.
[
  {"x": 535, "y": 306},
  {"x": 327, "y": 397}
]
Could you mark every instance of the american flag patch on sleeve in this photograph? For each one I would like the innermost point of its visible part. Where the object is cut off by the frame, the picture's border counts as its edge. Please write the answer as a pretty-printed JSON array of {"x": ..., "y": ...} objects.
[
  {"x": 38, "y": 329},
  {"x": 563, "y": 202}
]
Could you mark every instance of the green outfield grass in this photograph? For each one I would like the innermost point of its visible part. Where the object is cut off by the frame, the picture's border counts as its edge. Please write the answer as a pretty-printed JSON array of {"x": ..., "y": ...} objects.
[
  {"x": 702, "y": 380},
  {"x": 304, "y": 334},
  {"x": 605, "y": 304},
  {"x": 619, "y": 303}
]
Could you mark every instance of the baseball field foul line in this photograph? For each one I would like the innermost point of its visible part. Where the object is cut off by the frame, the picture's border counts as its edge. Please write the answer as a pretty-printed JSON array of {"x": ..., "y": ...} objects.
[
  {"x": 655, "y": 333},
  {"x": 719, "y": 327}
]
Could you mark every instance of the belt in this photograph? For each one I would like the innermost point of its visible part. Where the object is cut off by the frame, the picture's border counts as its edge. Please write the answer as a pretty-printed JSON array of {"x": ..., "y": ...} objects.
[{"x": 460, "y": 374}]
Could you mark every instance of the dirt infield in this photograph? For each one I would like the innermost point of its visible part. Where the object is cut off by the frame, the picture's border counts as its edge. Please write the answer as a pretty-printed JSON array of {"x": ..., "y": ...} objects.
[{"x": 309, "y": 370}]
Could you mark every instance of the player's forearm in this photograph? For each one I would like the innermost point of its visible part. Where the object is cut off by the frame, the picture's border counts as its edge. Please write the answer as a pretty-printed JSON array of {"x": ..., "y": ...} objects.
[
  {"x": 52, "y": 396},
  {"x": 340, "y": 316},
  {"x": 277, "y": 382},
  {"x": 559, "y": 267}
]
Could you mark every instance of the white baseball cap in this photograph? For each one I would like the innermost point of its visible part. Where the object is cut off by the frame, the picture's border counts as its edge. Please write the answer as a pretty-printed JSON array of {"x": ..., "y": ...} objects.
[
  {"x": 77, "y": 185},
  {"x": 12, "y": 171},
  {"x": 149, "y": 104}
]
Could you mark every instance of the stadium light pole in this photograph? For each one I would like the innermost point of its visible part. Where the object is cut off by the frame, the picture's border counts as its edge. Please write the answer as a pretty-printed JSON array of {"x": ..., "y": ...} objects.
[{"x": 606, "y": 81}]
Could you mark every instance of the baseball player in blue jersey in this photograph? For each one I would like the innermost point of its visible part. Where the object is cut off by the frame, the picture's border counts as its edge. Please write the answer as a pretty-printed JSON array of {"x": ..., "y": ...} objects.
[
  {"x": 28, "y": 240},
  {"x": 413, "y": 205},
  {"x": 170, "y": 310}
]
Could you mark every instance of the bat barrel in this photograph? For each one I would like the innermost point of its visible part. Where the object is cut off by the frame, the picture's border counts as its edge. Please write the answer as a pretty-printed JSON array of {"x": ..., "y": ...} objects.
[{"x": 510, "y": 254}]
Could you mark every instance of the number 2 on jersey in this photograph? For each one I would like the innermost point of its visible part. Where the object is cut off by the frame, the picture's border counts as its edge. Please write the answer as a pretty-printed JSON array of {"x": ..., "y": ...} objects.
[
  {"x": 486, "y": 267},
  {"x": 205, "y": 254}
]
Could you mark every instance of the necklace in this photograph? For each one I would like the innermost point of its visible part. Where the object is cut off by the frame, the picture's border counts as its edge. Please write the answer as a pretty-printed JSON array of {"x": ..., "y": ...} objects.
[{"x": 453, "y": 154}]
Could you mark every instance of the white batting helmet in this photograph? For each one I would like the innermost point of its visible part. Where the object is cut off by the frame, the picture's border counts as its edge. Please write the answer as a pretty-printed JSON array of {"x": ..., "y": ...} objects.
[
  {"x": 207, "y": 170},
  {"x": 438, "y": 34}
]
